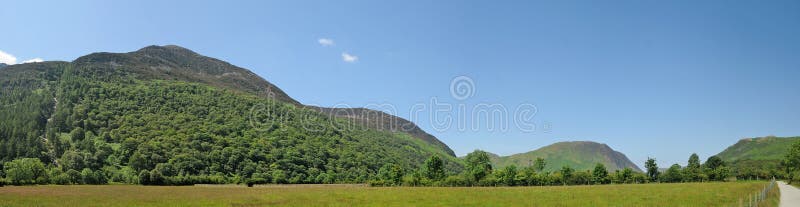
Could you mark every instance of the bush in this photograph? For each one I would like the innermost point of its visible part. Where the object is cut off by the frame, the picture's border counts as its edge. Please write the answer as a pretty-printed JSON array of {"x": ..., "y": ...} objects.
[
  {"x": 57, "y": 176},
  {"x": 144, "y": 177},
  {"x": 25, "y": 171},
  {"x": 454, "y": 180},
  {"x": 74, "y": 176}
]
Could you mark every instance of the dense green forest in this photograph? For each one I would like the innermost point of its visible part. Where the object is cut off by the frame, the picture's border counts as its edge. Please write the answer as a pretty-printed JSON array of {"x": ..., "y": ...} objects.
[{"x": 84, "y": 124}]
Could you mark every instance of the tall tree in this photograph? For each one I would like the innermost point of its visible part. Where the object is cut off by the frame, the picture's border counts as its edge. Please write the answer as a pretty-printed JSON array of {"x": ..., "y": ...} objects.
[
  {"x": 508, "y": 175},
  {"x": 673, "y": 174},
  {"x": 693, "y": 171},
  {"x": 714, "y": 162},
  {"x": 599, "y": 174},
  {"x": 792, "y": 161},
  {"x": 478, "y": 165},
  {"x": 434, "y": 168},
  {"x": 566, "y": 174},
  {"x": 652, "y": 169}
]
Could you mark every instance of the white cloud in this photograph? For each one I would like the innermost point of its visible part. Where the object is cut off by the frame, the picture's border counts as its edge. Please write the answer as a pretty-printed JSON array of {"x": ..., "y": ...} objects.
[
  {"x": 349, "y": 58},
  {"x": 35, "y": 60},
  {"x": 6, "y": 58},
  {"x": 325, "y": 42}
]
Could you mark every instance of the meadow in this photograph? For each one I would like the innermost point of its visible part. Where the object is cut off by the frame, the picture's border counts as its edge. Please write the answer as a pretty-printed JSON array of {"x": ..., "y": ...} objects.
[{"x": 674, "y": 194}]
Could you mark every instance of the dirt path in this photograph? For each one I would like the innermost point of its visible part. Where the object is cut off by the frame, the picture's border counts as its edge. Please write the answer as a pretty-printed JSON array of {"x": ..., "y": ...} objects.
[{"x": 790, "y": 195}]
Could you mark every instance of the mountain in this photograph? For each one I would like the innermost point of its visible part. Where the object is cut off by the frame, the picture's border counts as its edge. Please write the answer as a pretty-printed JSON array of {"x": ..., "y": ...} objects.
[
  {"x": 760, "y": 148},
  {"x": 2, "y": 65},
  {"x": 178, "y": 63},
  {"x": 189, "y": 118},
  {"x": 580, "y": 155}
]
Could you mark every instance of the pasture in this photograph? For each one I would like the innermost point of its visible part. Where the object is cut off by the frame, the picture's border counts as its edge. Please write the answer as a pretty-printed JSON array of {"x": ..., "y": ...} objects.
[{"x": 678, "y": 194}]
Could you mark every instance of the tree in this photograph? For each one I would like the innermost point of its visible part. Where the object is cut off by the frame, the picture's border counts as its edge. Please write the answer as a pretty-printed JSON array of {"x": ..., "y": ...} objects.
[
  {"x": 600, "y": 174},
  {"x": 539, "y": 164},
  {"x": 792, "y": 161},
  {"x": 434, "y": 168},
  {"x": 478, "y": 165},
  {"x": 693, "y": 171},
  {"x": 509, "y": 175},
  {"x": 391, "y": 173},
  {"x": 77, "y": 134},
  {"x": 566, "y": 174},
  {"x": 694, "y": 161},
  {"x": 714, "y": 162},
  {"x": 24, "y": 171},
  {"x": 652, "y": 169},
  {"x": 627, "y": 175},
  {"x": 144, "y": 177},
  {"x": 87, "y": 176},
  {"x": 715, "y": 169},
  {"x": 673, "y": 174}
]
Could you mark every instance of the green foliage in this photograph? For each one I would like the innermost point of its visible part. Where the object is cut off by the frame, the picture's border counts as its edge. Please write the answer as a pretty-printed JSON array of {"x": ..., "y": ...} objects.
[
  {"x": 434, "y": 168},
  {"x": 673, "y": 174},
  {"x": 184, "y": 118},
  {"x": 652, "y": 169},
  {"x": 477, "y": 166},
  {"x": 508, "y": 176},
  {"x": 600, "y": 174},
  {"x": 566, "y": 174},
  {"x": 792, "y": 162},
  {"x": 25, "y": 171},
  {"x": 391, "y": 174}
]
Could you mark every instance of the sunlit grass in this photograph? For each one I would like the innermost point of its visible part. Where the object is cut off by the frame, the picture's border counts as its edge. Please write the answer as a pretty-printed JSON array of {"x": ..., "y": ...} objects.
[{"x": 680, "y": 194}]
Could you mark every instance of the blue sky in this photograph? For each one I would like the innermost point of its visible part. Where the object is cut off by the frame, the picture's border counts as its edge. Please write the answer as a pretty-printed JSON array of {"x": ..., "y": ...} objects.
[{"x": 650, "y": 78}]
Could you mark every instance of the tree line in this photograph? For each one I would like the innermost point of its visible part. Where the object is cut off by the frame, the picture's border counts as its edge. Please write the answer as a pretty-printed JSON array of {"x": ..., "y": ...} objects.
[{"x": 478, "y": 171}]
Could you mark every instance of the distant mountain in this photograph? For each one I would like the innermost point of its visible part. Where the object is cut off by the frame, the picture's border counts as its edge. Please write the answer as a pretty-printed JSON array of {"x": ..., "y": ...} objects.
[
  {"x": 2, "y": 65},
  {"x": 761, "y": 148},
  {"x": 581, "y": 155}
]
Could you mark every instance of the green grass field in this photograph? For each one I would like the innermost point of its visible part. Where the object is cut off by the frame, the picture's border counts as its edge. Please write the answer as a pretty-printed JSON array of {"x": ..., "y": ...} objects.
[{"x": 682, "y": 194}]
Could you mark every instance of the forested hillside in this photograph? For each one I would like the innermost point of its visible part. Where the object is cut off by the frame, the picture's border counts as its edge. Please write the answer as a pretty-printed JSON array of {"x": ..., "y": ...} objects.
[{"x": 165, "y": 115}]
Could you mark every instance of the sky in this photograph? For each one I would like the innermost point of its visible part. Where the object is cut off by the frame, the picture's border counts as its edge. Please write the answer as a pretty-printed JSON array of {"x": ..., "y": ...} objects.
[{"x": 660, "y": 79}]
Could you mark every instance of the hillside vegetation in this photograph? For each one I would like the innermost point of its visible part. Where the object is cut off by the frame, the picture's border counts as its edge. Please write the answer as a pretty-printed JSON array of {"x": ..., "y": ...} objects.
[
  {"x": 166, "y": 115},
  {"x": 758, "y": 157}
]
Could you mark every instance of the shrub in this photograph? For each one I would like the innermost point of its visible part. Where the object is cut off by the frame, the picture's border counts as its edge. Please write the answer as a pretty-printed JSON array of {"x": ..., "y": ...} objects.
[{"x": 25, "y": 171}]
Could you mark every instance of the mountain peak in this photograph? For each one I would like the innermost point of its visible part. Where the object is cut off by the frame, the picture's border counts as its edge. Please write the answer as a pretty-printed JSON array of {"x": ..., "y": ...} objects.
[
  {"x": 172, "y": 62},
  {"x": 166, "y": 49}
]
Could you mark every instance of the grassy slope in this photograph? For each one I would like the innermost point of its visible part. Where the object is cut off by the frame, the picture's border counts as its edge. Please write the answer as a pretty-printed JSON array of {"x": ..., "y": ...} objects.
[
  {"x": 578, "y": 155},
  {"x": 679, "y": 194},
  {"x": 763, "y": 148}
]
